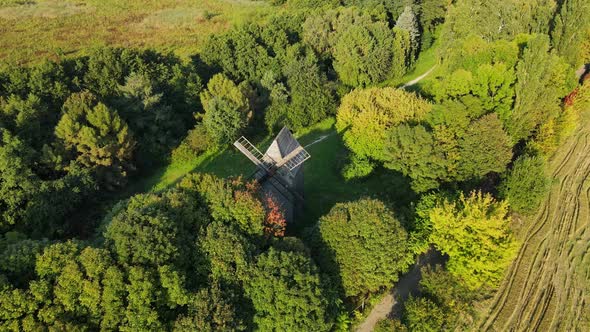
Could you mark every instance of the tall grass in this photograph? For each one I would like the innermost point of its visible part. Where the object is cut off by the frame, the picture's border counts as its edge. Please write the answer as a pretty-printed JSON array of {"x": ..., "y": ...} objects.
[{"x": 35, "y": 30}]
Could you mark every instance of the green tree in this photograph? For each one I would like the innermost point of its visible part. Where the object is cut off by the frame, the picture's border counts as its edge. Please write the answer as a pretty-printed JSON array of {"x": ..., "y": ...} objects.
[
  {"x": 105, "y": 70},
  {"x": 432, "y": 14},
  {"x": 287, "y": 293},
  {"x": 239, "y": 53},
  {"x": 567, "y": 34},
  {"x": 474, "y": 232},
  {"x": 141, "y": 313},
  {"x": 27, "y": 118},
  {"x": 526, "y": 184},
  {"x": 149, "y": 232},
  {"x": 484, "y": 148},
  {"x": 231, "y": 201},
  {"x": 226, "y": 110},
  {"x": 97, "y": 135},
  {"x": 322, "y": 32},
  {"x": 310, "y": 96},
  {"x": 451, "y": 295},
  {"x": 369, "y": 245},
  {"x": 18, "y": 261},
  {"x": 18, "y": 183},
  {"x": 543, "y": 79},
  {"x": 414, "y": 152},
  {"x": 216, "y": 308},
  {"x": 156, "y": 124},
  {"x": 227, "y": 262},
  {"x": 363, "y": 55},
  {"x": 423, "y": 315},
  {"x": 365, "y": 115}
]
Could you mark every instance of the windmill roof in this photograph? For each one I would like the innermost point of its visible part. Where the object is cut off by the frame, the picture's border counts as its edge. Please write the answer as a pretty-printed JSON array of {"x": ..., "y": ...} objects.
[{"x": 283, "y": 144}]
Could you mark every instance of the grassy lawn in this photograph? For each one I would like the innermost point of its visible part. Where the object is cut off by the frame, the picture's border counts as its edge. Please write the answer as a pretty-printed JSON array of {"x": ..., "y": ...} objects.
[
  {"x": 33, "y": 30},
  {"x": 426, "y": 60},
  {"x": 324, "y": 186}
]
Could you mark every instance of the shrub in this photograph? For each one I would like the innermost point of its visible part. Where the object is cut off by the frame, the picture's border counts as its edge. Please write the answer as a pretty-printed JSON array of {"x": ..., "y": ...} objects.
[
  {"x": 526, "y": 184},
  {"x": 196, "y": 142},
  {"x": 357, "y": 167}
]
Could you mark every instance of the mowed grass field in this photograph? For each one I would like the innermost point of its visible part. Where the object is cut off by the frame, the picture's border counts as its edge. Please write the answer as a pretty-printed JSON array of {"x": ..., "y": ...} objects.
[
  {"x": 32, "y": 30},
  {"x": 548, "y": 286}
]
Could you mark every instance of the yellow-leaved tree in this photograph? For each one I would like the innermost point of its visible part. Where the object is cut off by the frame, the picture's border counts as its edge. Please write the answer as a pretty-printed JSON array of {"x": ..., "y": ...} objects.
[{"x": 474, "y": 232}]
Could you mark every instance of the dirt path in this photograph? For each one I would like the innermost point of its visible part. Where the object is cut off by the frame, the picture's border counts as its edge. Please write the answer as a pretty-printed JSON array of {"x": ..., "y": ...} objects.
[
  {"x": 408, "y": 284},
  {"x": 546, "y": 288},
  {"x": 419, "y": 78}
]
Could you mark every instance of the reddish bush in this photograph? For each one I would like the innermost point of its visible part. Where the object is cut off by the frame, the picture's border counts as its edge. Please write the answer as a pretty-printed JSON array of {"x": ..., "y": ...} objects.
[{"x": 274, "y": 223}]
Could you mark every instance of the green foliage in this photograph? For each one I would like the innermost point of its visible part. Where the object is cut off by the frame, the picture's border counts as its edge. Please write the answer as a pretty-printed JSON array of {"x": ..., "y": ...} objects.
[
  {"x": 369, "y": 245},
  {"x": 216, "y": 308},
  {"x": 389, "y": 325},
  {"x": 97, "y": 135},
  {"x": 238, "y": 53},
  {"x": 196, "y": 142},
  {"x": 414, "y": 152},
  {"x": 229, "y": 201},
  {"x": 451, "y": 296},
  {"x": 363, "y": 54},
  {"x": 310, "y": 97},
  {"x": 474, "y": 233},
  {"x": 227, "y": 262},
  {"x": 423, "y": 315},
  {"x": 497, "y": 19},
  {"x": 526, "y": 184},
  {"x": 33, "y": 205},
  {"x": 432, "y": 14},
  {"x": 572, "y": 19},
  {"x": 485, "y": 148},
  {"x": 365, "y": 115},
  {"x": 363, "y": 49},
  {"x": 226, "y": 110},
  {"x": 287, "y": 293},
  {"x": 156, "y": 124},
  {"x": 543, "y": 79},
  {"x": 25, "y": 118},
  {"x": 18, "y": 261},
  {"x": 357, "y": 167},
  {"x": 322, "y": 32},
  {"x": 156, "y": 229}
]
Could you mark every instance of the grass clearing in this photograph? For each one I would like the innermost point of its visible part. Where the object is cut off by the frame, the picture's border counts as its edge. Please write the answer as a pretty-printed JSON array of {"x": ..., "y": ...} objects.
[
  {"x": 34, "y": 30},
  {"x": 324, "y": 186}
]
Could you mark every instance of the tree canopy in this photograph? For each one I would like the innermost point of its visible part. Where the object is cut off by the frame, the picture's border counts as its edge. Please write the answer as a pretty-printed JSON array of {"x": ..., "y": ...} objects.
[
  {"x": 368, "y": 243},
  {"x": 474, "y": 233}
]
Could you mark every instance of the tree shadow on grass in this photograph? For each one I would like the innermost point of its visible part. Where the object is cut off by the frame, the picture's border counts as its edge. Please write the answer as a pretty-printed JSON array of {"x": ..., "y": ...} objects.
[{"x": 325, "y": 186}]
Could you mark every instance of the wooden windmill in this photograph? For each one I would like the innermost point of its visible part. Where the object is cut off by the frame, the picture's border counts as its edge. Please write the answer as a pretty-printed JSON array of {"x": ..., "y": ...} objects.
[{"x": 279, "y": 170}]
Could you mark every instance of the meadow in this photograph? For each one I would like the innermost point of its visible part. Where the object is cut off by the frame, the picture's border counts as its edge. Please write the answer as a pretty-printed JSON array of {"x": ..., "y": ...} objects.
[{"x": 41, "y": 29}]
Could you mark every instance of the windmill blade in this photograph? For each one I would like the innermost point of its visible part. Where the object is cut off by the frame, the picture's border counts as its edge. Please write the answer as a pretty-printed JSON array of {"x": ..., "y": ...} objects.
[
  {"x": 294, "y": 159},
  {"x": 252, "y": 153}
]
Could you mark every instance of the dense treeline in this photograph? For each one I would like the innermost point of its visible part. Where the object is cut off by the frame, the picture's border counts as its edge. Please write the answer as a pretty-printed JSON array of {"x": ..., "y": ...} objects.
[{"x": 211, "y": 254}]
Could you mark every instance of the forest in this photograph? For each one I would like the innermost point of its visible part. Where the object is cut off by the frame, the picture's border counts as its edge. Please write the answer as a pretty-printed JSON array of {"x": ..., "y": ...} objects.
[{"x": 461, "y": 158}]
